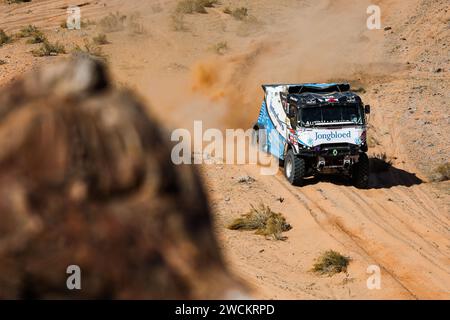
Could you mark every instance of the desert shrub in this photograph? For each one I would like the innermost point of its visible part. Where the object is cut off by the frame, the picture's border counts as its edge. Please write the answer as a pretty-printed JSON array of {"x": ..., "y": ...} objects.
[
  {"x": 194, "y": 6},
  {"x": 83, "y": 24},
  {"x": 2, "y": 62},
  {"x": 137, "y": 28},
  {"x": 442, "y": 172},
  {"x": 177, "y": 22},
  {"x": 87, "y": 23},
  {"x": 359, "y": 90},
  {"x": 118, "y": 22},
  {"x": 189, "y": 7},
  {"x": 27, "y": 31},
  {"x": 372, "y": 142},
  {"x": 264, "y": 221},
  {"x": 100, "y": 39},
  {"x": 330, "y": 263},
  {"x": 157, "y": 8},
  {"x": 38, "y": 37},
  {"x": 221, "y": 47},
  {"x": 113, "y": 22},
  {"x": 91, "y": 50},
  {"x": 380, "y": 163},
  {"x": 240, "y": 13},
  {"x": 4, "y": 38},
  {"x": 208, "y": 3},
  {"x": 133, "y": 24},
  {"x": 227, "y": 10},
  {"x": 32, "y": 32},
  {"x": 16, "y": 1},
  {"x": 49, "y": 49}
]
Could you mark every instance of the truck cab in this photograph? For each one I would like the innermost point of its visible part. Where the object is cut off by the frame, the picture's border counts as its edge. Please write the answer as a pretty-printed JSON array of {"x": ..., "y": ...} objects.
[{"x": 321, "y": 129}]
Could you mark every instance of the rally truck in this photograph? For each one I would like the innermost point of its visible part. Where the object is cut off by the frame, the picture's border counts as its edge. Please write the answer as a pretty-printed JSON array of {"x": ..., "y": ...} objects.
[{"x": 314, "y": 129}]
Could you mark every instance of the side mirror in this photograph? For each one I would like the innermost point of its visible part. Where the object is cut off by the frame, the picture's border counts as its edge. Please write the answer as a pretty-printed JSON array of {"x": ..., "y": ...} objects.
[
  {"x": 290, "y": 111},
  {"x": 367, "y": 109}
]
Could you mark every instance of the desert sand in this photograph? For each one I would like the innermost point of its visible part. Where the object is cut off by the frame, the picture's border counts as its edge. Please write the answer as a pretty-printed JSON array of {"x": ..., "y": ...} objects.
[{"x": 211, "y": 69}]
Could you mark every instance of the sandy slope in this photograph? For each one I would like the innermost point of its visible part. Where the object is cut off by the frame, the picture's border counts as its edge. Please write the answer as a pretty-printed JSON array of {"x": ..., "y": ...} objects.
[
  {"x": 401, "y": 229},
  {"x": 401, "y": 224}
]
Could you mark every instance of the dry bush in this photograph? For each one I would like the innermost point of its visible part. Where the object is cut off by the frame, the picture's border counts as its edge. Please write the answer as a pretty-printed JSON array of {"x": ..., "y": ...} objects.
[
  {"x": 38, "y": 37},
  {"x": 83, "y": 24},
  {"x": 133, "y": 25},
  {"x": 220, "y": 48},
  {"x": 100, "y": 39},
  {"x": 16, "y": 1},
  {"x": 240, "y": 13},
  {"x": 49, "y": 49},
  {"x": 27, "y": 31},
  {"x": 177, "y": 22},
  {"x": 372, "y": 142},
  {"x": 208, "y": 3},
  {"x": 113, "y": 22},
  {"x": 380, "y": 163},
  {"x": 4, "y": 38},
  {"x": 330, "y": 263},
  {"x": 32, "y": 32},
  {"x": 359, "y": 90},
  {"x": 137, "y": 28},
  {"x": 227, "y": 10},
  {"x": 157, "y": 8},
  {"x": 2, "y": 62},
  {"x": 194, "y": 6},
  {"x": 442, "y": 173},
  {"x": 118, "y": 22},
  {"x": 264, "y": 221},
  {"x": 90, "y": 49},
  {"x": 87, "y": 23}
]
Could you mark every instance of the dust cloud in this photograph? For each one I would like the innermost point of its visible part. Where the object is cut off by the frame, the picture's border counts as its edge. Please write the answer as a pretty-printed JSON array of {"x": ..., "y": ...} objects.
[{"x": 324, "y": 41}]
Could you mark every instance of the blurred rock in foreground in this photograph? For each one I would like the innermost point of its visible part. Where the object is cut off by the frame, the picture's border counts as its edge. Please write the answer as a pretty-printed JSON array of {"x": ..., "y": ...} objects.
[{"x": 86, "y": 179}]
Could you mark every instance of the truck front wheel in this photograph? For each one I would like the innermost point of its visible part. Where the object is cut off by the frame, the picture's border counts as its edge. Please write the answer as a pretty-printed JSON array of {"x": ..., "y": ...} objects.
[
  {"x": 360, "y": 174},
  {"x": 294, "y": 168}
]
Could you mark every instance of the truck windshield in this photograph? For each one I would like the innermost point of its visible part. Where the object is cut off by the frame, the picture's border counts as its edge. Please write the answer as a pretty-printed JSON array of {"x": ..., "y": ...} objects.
[{"x": 331, "y": 114}]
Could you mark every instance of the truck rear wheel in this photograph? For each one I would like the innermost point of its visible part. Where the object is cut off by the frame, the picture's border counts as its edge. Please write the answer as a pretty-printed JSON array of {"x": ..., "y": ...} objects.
[
  {"x": 360, "y": 174},
  {"x": 294, "y": 168}
]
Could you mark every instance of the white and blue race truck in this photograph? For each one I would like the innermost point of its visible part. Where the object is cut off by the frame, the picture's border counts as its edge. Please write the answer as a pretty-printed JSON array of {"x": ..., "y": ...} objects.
[{"x": 315, "y": 129}]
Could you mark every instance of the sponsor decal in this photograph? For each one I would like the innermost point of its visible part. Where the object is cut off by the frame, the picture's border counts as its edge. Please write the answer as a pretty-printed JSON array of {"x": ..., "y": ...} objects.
[{"x": 333, "y": 135}]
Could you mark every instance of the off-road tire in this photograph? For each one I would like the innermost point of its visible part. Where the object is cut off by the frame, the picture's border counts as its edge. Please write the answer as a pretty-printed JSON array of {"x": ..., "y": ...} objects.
[
  {"x": 361, "y": 171},
  {"x": 294, "y": 168}
]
